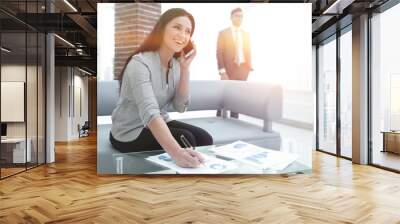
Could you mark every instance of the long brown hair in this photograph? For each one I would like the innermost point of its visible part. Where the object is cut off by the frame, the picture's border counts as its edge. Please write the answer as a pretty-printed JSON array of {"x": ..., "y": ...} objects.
[{"x": 154, "y": 39}]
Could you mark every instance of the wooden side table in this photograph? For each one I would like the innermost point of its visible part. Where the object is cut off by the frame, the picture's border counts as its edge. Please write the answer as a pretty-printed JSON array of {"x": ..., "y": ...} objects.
[{"x": 391, "y": 141}]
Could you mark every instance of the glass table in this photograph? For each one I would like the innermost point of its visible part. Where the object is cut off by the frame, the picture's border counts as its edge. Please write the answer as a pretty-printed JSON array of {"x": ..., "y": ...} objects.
[{"x": 136, "y": 163}]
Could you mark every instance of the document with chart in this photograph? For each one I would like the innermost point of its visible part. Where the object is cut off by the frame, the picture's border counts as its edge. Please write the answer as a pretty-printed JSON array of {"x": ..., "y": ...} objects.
[
  {"x": 211, "y": 165},
  {"x": 255, "y": 155}
]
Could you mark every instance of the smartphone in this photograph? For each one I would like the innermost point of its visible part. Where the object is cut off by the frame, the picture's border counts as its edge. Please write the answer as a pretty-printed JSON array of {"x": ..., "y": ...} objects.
[{"x": 188, "y": 50}]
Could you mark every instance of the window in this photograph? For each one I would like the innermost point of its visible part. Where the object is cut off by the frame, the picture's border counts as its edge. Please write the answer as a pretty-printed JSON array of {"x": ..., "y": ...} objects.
[
  {"x": 327, "y": 96},
  {"x": 346, "y": 93},
  {"x": 385, "y": 84}
]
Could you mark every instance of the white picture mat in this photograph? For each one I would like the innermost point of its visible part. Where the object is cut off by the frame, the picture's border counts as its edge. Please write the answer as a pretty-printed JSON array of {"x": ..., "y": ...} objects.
[{"x": 12, "y": 101}]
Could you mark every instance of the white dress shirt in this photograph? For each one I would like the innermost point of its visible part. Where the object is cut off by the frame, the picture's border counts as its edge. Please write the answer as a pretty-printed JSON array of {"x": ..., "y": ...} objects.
[{"x": 237, "y": 34}]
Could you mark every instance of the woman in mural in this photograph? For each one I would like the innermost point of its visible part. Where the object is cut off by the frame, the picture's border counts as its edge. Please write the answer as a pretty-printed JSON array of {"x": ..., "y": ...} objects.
[{"x": 153, "y": 79}]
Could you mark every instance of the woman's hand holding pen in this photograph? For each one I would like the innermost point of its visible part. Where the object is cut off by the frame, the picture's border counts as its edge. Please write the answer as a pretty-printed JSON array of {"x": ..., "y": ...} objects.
[{"x": 187, "y": 158}]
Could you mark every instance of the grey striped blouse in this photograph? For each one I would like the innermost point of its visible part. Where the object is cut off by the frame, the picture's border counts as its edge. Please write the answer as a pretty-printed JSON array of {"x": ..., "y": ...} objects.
[{"x": 145, "y": 93}]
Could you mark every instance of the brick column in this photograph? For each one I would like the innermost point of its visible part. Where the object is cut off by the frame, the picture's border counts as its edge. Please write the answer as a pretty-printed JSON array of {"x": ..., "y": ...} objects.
[{"x": 133, "y": 22}]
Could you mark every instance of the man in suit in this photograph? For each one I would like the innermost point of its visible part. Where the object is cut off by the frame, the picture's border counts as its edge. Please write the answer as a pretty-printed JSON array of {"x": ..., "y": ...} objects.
[{"x": 233, "y": 52}]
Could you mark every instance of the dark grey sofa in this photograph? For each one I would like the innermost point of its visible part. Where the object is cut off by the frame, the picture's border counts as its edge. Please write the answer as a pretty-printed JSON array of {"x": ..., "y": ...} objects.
[{"x": 258, "y": 100}]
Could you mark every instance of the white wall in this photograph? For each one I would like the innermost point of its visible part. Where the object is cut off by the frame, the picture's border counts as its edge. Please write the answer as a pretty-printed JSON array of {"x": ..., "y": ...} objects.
[
  {"x": 68, "y": 83},
  {"x": 17, "y": 73},
  {"x": 80, "y": 83},
  {"x": 14, "y": 73},
  {"x": 33, "y": 126},
  {"x": 61, "y": 104}
]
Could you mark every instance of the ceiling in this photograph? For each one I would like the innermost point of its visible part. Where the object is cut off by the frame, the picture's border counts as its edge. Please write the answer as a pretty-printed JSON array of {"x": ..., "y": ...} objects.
[{"x": 76, "y": 25}]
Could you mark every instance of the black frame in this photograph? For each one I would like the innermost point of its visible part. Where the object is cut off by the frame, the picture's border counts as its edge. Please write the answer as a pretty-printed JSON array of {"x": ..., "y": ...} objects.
[
  {"x": 44, "y": 77},
  {"x": 340, "y": 31}
]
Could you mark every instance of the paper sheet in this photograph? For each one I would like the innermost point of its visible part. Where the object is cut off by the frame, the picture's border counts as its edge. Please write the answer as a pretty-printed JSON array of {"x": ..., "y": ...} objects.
[
  {"x": 255, "y": 155},
  {"x": 211, "y": 165}
]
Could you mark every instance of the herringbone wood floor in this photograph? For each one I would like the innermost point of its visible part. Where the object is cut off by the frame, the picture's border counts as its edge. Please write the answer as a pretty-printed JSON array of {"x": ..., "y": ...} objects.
[{"x": 70, "y": 191}]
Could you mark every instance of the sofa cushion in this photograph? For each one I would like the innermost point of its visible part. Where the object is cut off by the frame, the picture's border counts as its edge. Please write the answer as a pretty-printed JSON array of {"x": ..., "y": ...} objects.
[
  {"x": 260, "y": 100},
  {"x": 226, "y": 130}
]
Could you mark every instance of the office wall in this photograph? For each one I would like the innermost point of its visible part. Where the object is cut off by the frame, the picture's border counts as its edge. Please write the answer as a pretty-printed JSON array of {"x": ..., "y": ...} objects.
[
  {"x": 62, "y": 80},
  {"x": 71, "y": 102},
  {"x": 12, "y": 98},
  {"x": 17, "y": 73},
  {"x": 132, "y": 24},
  {"x": 80, "y": 109}
]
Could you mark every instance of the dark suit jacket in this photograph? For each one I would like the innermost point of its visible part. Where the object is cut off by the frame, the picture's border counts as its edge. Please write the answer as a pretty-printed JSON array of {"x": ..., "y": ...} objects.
[{"x": 226, "y": 55}]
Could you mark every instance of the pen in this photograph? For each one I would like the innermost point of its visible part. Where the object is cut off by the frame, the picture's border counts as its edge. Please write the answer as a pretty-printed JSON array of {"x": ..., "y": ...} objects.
[{"x": 187, "y": 144}]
